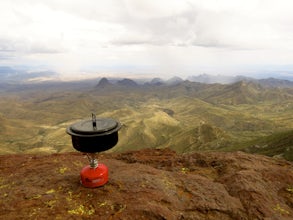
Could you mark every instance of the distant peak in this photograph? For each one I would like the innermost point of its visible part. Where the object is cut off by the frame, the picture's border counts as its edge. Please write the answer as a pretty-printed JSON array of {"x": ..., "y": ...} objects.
[
  {"x": 174, "y": 80},
  {"x": 127, "y": 82},
  {"x": 157, "y": 81},
  {"x": 103, "y": 82}
]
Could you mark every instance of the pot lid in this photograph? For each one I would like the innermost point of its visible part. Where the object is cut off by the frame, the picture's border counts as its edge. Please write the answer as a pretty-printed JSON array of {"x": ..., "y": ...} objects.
[{"x": 97, "y": 126}]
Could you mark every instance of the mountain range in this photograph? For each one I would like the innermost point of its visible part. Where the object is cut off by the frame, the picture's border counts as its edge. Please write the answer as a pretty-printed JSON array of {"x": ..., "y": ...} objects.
[
  {"x": 26, "y": 74},
  {"x": 178, "y": 114},
  {"x": 187, "y": 149}
]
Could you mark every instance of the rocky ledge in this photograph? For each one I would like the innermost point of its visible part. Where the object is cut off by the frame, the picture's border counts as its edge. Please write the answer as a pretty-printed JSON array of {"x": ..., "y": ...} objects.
[{"x": 148, "y": 184}]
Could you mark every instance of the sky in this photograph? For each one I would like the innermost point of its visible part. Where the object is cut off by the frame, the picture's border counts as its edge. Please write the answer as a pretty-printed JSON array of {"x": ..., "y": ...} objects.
[{"x": 79, "y": 38}]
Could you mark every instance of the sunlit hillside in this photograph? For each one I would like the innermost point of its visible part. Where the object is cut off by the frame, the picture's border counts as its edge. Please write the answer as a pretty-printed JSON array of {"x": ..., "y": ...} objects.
[{"x": 185, "y": 116}]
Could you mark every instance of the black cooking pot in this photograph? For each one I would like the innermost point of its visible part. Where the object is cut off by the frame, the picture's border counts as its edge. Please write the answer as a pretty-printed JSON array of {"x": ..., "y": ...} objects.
[{"x": 96, "y": 135}]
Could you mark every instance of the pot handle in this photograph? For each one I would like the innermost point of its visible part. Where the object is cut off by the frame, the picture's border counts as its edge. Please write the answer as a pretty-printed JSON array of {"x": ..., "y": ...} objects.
[{"x": 94, "y": 121}]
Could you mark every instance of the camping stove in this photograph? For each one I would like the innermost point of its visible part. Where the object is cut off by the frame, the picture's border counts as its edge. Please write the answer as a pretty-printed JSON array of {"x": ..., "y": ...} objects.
[{"x": 91, "y": 137}]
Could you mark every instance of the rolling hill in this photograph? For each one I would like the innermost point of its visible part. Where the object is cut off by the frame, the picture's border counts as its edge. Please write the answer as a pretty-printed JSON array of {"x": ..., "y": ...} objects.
[
  {"x": 184, "y": 116},
  {"x": 277, "y": 144}
]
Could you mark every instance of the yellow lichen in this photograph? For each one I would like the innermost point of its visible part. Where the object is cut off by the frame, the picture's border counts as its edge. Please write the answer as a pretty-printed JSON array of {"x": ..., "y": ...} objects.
[
  {"x": 289, "y": 189},
  {"x": 50, "y": 203},
  {"x": 69, "y": 198},
  {"x": 4, "y": 186},
  {"x": 280, "y": 210},
  {"x": 103, "y": 204},
  {"x": 62, "y": 170},
  {"x": 184, "y": 170},
  {"x": 50, "y": 191},
  {"x": 34, "y": 212},
  {"x": 36, "y": 196},
  {"x": 82, "y": 210}
]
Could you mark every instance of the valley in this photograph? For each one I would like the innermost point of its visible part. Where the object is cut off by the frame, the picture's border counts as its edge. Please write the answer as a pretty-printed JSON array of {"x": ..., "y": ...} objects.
[{"x": 184, "y": 116}]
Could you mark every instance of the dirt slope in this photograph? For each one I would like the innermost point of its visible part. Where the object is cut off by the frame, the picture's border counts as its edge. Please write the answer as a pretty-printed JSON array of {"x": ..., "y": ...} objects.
[{"x": 148, "y": 184}]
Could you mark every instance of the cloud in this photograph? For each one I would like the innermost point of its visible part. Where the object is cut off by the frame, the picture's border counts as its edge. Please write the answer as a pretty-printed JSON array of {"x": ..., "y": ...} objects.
[
  {"x": 231, "y": 24},
  {"x": 224, "y": 26},
  {"x": 24, "y": 46},
  {"x": 181, "y": 34}
]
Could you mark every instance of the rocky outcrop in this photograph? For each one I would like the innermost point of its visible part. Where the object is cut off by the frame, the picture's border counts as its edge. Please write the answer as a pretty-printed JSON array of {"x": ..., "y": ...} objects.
[{"x": 148, "y": 184}]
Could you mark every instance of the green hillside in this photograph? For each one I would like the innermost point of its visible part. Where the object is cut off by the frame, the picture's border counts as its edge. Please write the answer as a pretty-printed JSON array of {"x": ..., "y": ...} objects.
[
  {"x": 278, "y": 144},
  {"x": 185, "y": 117}
]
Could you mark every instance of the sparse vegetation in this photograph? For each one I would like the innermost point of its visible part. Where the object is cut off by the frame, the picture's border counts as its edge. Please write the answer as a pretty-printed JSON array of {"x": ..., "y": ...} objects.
[
  {"x": 82, "y": 210},
  {"x": 185, "y": 117},
  {"x": 281, "y": 210},
  {"x": 289, "y": 189}
]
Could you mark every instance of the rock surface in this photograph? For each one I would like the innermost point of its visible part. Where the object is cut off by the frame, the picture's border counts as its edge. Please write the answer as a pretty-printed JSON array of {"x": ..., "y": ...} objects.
[{"x": 148, "y": 184}]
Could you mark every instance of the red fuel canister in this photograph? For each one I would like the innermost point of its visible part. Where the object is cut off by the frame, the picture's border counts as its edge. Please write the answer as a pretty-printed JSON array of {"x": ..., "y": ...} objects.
[{"x": 94, "y": 176}]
